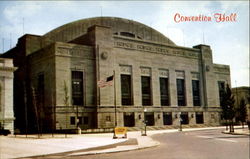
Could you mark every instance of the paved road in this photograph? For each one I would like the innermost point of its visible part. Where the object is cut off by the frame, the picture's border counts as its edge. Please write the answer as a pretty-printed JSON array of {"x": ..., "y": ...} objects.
[{"x": 208, "y": 144}]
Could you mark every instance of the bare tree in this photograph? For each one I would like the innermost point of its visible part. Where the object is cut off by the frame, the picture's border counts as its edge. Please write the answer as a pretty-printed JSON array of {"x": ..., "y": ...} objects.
[
  {"x": 227, "y": 105},
  {"x": 241, "y": 112},
  {"x": 66, "y": 103}
]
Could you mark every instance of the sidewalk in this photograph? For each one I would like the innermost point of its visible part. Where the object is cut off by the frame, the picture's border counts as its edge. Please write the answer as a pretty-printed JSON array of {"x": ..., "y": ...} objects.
[
  {"x": 20, "y": 146},
  {"x": 238, "y": 131},
  {"x": 74, "y": 145}
]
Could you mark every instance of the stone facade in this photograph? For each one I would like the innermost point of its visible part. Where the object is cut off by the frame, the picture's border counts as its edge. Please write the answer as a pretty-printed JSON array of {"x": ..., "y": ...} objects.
[
  {"x": 96, "y": 48},
  {"x": 6, "y": 94}
]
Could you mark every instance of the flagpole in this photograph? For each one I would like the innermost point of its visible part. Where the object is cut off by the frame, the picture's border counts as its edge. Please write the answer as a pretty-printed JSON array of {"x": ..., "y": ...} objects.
[{"x": 115, "y": 99}]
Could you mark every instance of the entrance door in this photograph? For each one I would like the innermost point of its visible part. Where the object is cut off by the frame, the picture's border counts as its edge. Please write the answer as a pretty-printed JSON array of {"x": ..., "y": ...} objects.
[
  {"x": 129, "y": 119},
  {"x": 149, "y": 117},
  {"x": 184, "y": 118},
  {"x": 167, "y": 118}
]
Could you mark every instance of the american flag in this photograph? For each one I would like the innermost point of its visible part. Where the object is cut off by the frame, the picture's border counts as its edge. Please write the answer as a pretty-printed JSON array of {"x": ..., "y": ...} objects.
[{"x": 107, "y": 82}]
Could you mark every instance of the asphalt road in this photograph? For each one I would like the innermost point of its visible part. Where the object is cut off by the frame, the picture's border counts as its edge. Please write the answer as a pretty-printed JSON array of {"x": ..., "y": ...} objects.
[{"x": 206, "y": 144}]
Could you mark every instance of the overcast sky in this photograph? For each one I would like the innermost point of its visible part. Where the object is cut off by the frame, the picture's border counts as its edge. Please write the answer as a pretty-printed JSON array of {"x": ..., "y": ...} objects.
[{"x": 228, "y": 40}]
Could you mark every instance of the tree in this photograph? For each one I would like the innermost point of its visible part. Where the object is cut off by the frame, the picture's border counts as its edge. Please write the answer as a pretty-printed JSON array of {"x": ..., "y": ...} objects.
[
  {"x": 227, "y": 105},
  {"x": 66, "y": 103},
  {"x": 241, "y": 112}
]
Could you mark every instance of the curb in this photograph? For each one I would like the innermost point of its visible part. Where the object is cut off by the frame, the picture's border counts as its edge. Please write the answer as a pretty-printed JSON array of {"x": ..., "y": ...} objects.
[{"x": 125, "y": 150}]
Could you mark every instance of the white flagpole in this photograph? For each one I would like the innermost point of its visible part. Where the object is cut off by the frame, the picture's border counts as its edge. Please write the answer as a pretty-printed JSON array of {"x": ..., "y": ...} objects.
[
  {"x": 114, "y": 136},
  {"x": 115, "y": 99}
]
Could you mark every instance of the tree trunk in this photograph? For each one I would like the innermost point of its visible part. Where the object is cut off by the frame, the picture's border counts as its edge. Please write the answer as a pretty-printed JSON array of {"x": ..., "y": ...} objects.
[{"x": 232, "y": 126}]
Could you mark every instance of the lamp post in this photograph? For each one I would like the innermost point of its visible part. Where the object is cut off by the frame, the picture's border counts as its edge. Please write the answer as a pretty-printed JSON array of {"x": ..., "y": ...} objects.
[
  {"x": 145, "y": 123},
  {"x": 180, "y": 120}
]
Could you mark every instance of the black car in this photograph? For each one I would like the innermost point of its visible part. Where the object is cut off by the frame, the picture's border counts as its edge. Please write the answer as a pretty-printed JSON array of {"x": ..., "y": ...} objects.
[{"x": 4, "y": 132}]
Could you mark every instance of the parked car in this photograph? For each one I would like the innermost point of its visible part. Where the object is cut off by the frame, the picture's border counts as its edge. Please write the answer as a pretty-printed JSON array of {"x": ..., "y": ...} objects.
[{"x": 4, "y": 132}]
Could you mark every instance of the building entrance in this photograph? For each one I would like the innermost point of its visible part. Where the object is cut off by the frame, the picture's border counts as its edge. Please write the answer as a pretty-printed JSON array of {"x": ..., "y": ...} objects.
[
  {"x": 167, "y": 118},
  {"x": 129, "y": 119},
  {"x": 149, "y": 117},
  {"x": 184, "y": 118}
]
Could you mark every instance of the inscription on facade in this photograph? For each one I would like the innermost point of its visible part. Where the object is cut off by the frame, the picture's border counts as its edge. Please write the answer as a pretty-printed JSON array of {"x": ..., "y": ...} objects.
[
  {"x": 75, "y": 52},
  {"x": 221, "y": 70},
  {"x": 153, "y": 49}
]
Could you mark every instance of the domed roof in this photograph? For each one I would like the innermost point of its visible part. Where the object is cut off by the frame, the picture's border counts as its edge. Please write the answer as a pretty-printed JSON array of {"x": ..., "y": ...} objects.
[{"x": 73, "y": 30}]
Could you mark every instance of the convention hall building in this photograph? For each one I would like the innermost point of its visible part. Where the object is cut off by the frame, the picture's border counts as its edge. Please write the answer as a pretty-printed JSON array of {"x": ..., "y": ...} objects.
[{"x": 105, "y": 71}]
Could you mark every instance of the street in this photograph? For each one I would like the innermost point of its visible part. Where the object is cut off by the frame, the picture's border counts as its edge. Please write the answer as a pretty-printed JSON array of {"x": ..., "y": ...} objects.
[{"x": 205, "y": 144}]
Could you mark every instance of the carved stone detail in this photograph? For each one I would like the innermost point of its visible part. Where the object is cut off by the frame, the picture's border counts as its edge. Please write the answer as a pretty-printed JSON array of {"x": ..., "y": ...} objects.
[
  {"x": 180, "y": 74},
  {"x": 157, "y": 50},
  {"x": 74, "y": 51},
  {"x": 163, "y": 73},
  {"x": 126, "y": 69},
  {"x": 145, "y": 71},
  {"x": 221, "y": 70},
  {"x": 104, "y": 55},
  {"x": 207, "y": 68},
  {"x": 195, "y": 75}
]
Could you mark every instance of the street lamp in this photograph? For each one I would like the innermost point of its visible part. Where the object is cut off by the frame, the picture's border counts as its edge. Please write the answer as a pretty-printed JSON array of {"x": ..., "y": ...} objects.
[
  {"x": 180, "y": 120},
  {"x": 145, "y": 123}
]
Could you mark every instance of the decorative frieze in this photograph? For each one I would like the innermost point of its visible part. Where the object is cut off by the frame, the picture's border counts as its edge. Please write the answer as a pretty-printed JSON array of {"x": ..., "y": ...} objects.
[
  {"x": 157, "y": 50},
  {"x": 195, "y": 75},
  {"x": 145, "y": 71},
  {"x": 74, "y": 52},
  {"x": 180, "y": 74},
  {"x": 163, "y": 73},
  {"x": 222, "y": 70},
  {"x": 125, "y": 69}
]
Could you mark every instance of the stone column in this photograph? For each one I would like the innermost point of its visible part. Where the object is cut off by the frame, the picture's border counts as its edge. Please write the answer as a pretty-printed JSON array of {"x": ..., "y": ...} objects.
[{"x": 6, "y": 98}]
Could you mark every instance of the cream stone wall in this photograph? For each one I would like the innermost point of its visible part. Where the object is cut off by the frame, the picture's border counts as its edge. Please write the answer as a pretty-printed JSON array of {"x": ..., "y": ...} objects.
[
  {"x": 138, "y": 55},
  {"x": 6, "y": 94}
]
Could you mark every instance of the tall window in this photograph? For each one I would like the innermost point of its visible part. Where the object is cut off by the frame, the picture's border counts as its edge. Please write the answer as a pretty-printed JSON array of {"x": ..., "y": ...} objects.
[
  {"x": 164, "y": 91},
  {"x": 126, "y": 90},
  {"x": 146, "y": 90},
  {"x": 181, "y": 92},
  {"x": 196, "y": 92},
  {"x": 221, "y": 85},
  {"x": 77, "y": 88}
]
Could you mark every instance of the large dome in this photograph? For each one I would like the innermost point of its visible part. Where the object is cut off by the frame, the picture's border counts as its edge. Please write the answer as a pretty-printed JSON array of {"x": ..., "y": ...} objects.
[{"x": 73, "y": 30}]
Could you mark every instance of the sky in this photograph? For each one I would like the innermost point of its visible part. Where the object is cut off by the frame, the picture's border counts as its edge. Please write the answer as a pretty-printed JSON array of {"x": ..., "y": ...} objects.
[{"x": 229, "y": 40}]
